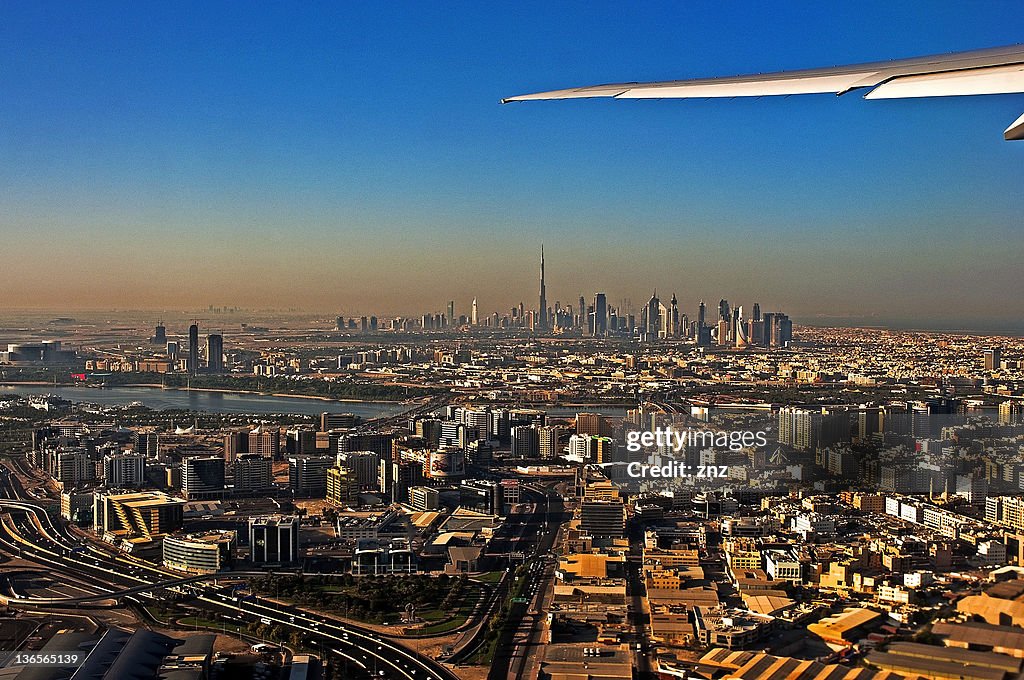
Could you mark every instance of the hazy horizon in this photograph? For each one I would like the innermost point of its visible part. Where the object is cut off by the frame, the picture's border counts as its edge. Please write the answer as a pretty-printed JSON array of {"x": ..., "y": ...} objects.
[{"x": 222, "y": 321}]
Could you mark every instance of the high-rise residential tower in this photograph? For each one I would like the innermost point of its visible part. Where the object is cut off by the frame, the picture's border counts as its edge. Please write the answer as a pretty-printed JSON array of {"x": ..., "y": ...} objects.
[
  {"x": 600, "y": 314},
  {"x": 193, "y": 348},
  {"x": 215, "y": 353},
  {"x": 993, "y": 359}
]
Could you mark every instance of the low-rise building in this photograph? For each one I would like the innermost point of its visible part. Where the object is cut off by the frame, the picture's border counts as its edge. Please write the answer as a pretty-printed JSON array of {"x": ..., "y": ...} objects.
[
  {"x": 143, "y": 515},
  {"x": 846, "y": 627},
  {"x": 205, "y": 553},
  {"x": 274, "y": 540}
]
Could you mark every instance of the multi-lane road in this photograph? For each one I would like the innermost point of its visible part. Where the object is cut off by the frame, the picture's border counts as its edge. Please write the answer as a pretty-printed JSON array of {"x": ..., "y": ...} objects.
[
  {"x": 102, "y": 574},
  {"x": 29, "y": 533},
  {"x": 520, "y": 649}
]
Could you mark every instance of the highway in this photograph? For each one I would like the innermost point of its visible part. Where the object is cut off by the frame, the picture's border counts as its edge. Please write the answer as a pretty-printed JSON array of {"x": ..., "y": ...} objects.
[
  {"x": 365, "y": 648},
  {"x": 528, "y": 640},
  {"x": 521, "y": 647},
  {"x": 29, "y": 533}
]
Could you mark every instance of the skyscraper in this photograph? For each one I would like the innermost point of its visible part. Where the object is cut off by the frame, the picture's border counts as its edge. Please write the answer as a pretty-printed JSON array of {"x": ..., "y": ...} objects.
[
  {"x": 193, "y": 348},
  {"x": 452, "y": 321},
  {"x": 674, "y": 324},
  {"x": 549, "y": 438},
  {"x": 993, "y": 359},
  {"x": 543, "y": 325},
  {"x": 756, "y": 331},
  {"x": 600, "y": 314},
  {"x": 474, "y": 319},
  {"x": 215, "y": 353},
  {"x": 739, "y": 328},
  {"x": 235, "y": 444},
  {"x": 781, "y": 329},
  {"x": 160, "y": 335},
  {"x": 652, "y": 316}
]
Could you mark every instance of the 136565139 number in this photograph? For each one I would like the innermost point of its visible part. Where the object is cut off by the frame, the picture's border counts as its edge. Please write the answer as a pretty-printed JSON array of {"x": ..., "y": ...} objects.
[{"x": 47, "y": 659}]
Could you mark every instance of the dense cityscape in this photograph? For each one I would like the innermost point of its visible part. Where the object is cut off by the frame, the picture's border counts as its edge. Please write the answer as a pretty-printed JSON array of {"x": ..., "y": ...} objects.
[
  {"x": 570, "y": 491},
  {"x": 505, "y": 341}
]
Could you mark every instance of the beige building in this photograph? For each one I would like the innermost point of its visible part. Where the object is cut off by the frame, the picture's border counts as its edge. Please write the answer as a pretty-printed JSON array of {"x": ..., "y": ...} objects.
[
  {"x": 844, "y": 628},
  {"x": 590, "y": 566}
]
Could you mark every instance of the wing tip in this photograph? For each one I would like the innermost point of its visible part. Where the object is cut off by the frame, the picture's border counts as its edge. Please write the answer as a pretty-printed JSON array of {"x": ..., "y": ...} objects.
[
  {"x": 1016, "y": 130},
  {"x": 612, "y": 91}
]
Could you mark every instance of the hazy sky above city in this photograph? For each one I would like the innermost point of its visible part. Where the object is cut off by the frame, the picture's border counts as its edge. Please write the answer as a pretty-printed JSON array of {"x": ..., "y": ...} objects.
[{"x": 353, "y": 157}]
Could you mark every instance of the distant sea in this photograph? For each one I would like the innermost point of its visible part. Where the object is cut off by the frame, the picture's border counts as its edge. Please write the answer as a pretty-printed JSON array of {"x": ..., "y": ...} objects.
[
  {"x": 209, "y": 402},
  {"x": 240, "y": 402},
  {"x": 984, "y": 328}
]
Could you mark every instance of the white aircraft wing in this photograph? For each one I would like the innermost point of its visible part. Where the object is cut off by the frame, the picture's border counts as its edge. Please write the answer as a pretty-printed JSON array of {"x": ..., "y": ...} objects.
[{"x": 999, "y": 70}]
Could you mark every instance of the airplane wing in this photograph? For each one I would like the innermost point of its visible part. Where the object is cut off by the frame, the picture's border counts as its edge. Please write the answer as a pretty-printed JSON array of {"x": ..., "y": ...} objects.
[{"x": 999, "y": 70}]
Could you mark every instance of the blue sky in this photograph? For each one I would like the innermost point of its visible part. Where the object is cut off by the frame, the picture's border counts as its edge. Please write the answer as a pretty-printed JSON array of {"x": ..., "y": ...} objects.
[{"x": 355, "y": 155}]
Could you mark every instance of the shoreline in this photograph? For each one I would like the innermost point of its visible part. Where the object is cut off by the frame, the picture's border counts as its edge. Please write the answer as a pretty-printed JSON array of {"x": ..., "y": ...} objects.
[
  {"x": 315, "y": 397},
  {"x": 544, "y": 405},
  {"x": 39, "y": 383}
]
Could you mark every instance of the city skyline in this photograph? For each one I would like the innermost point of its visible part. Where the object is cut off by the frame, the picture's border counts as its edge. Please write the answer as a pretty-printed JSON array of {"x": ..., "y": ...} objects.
[
  {"x": 158, "y": 182},
  {"x": 465, "y": 304}
]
